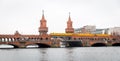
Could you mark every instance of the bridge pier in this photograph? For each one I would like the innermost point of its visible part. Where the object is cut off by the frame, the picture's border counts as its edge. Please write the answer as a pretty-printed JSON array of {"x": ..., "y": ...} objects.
[
  {"x": 22, "y": 46},
  {"x": 86, "y": 43},
  {"x": 71, "y": 44}
]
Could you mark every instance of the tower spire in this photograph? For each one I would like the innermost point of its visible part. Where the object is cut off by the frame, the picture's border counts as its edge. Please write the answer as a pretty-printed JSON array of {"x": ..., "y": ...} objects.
[
  {"x": 43, "y": 12},
  {"x": 43, "y": 15},
  {"x": 69, "y": 28},
  {"x": 43, "y": 29},
  {"x": 69, "y": 17}
]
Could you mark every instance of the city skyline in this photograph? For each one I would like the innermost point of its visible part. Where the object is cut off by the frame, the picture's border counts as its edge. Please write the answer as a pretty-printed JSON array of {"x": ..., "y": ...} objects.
[{"x": 25, "y": 16}]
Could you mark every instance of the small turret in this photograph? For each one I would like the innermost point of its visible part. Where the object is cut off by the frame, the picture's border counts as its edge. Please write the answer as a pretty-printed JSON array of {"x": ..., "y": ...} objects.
[{"x": 17, "y": 33}]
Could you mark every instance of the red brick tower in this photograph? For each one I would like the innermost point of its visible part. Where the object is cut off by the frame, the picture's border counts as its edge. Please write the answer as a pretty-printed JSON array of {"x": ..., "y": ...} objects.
[
  {"x": 69, "y": 28},
  {"x": 43, "y": 29}
]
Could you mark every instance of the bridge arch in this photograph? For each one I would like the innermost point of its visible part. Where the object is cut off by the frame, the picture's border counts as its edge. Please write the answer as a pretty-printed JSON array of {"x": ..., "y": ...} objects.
[
  {"x": 116, "y": 44},
  {"x": 69, "y": 43},
  {"x": 8, "y": 46},
  {"x": 98, "y": 45},
  {"x": 39, "y": 45},
  {"x": 74, "y": 44},
  {"x": 32, "y": 46}
]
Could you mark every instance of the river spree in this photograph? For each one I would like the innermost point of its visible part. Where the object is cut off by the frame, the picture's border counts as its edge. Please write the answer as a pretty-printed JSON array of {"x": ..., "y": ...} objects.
[{"x": 61, "y": 54}]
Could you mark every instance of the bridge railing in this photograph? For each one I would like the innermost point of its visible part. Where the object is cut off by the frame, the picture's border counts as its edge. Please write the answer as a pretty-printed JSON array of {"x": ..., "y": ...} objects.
[
  {"x": 20, "y": 39},
  {"x": 8, "y": 39}
]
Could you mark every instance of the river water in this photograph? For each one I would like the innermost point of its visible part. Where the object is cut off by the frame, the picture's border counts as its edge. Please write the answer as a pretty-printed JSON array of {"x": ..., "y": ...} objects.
[{"x": 61, "y": 54}]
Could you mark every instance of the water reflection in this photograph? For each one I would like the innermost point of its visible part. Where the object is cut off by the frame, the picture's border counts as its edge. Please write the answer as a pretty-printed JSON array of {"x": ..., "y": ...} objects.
[
  {"x": 61, "y": 54},
  {"x": 32, "y": 46},
  {"x": 69, "y": 54},
  {"x": 44, "y": 55},
  {"x": 6, "y": 46}
]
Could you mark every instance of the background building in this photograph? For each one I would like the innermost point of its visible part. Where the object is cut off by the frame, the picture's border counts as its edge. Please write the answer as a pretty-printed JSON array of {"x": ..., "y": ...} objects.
[
  {"x": 113, "y": 31},
  {"x": 99, "y": 31},
  {"x": 86, "y": 29},
  {"x": 92, "y": 29}
]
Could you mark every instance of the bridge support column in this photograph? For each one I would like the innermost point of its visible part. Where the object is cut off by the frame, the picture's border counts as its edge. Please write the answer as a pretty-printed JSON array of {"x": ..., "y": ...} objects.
[
  {"x": 109, "y": 43},
  {"x": 22, "y": 46},
  {"x": 86, "y": 44}
]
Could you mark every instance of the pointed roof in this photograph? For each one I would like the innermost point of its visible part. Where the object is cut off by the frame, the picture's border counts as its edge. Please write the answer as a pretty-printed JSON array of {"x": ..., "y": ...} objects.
[
  {"x": 17, "y": 33},
  {"x": 69, "y": 19},
  {"x": 43, "y": 18}
]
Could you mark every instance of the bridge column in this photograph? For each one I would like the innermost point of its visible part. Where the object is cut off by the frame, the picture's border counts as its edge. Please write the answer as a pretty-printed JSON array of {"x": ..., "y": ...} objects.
[
  {"x": 86, "y": 43},
  {"x": 22, "y": 44},
  {"x": 15, "y": 39},
  {"x": 5, "y": 40},
  {"x": 8, "y": 39},
  {"x": 109, "y": 42},
  {"x": 31, "y": 39},
  {"x": 12, "y": 39},
  {"x": 0, "y": 39}
]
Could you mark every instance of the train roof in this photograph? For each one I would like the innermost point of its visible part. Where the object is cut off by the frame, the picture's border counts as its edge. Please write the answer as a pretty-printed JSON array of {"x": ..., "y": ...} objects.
[{"x": 77, "y": 34}]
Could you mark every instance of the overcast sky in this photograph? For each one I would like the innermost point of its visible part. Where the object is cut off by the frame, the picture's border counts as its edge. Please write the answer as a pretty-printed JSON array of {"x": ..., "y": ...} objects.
[{"x": 25, "y": 15}]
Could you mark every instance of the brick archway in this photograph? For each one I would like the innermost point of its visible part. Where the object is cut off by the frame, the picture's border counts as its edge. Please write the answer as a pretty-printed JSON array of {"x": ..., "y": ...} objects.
[
  {"x": 14, "y": 46},
  {"x": 116, "y": 44},
  {"x": 41, "y": 45},
  {"x": 98, "y": 45},
  {"x": 74, "y": 44}
]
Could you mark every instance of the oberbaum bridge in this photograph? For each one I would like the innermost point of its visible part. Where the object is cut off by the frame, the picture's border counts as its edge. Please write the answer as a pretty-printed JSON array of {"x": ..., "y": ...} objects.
[{"x": 67, "y": 39}]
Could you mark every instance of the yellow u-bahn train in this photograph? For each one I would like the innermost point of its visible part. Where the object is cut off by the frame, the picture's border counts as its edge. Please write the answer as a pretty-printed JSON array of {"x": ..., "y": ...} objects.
[{"x": 78, "y": 34}]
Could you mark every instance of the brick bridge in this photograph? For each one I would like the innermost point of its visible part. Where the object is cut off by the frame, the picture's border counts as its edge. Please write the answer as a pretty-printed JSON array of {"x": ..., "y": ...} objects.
[
  {"x": 21, "y": 41},
  {"x": 85, "y": 40},
  {"x": 58, "y": 39}
]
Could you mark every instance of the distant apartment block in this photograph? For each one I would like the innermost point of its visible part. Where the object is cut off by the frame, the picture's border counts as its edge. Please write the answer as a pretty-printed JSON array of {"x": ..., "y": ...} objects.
[
  {"x": 92, "y": 29},
  {"x": 86, "y": 29},
  {"x": 113, "y": 31}
]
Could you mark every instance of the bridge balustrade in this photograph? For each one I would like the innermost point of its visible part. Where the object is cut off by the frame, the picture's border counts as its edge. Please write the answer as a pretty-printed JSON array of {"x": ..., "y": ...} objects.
[
  {"x": 3, "y": 39},
  {"x": 12, "y": 39},
  {"x": 9, "y": 39},
  {"x": 0, "y": 40},
  {"x": 6, "y": 39},
  {"x": 37, "y": 39},
  {"x": 31, "y": 39},
  {"x": 117, "y": 41},
  {"x": 15, "y": 39}
]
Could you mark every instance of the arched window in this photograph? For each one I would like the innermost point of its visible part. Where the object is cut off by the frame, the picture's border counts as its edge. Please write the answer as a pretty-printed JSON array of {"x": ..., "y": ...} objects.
[
  {"x": 74, "y": 38},
  {"x": 0, "y": 39},
  {"x": 46, "y": 38},
  {"x": 41, "y": 38}
]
